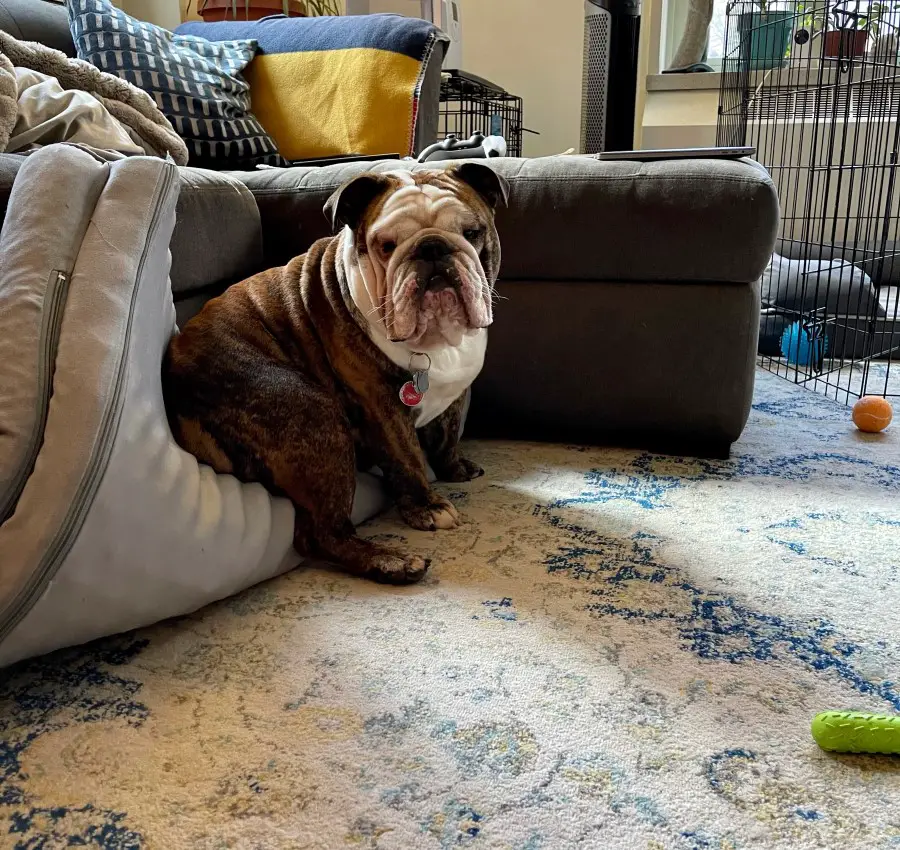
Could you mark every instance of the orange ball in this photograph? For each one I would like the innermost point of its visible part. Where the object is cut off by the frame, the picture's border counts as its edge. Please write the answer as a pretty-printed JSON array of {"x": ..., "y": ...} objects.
[{"x": 872, "y": 414}]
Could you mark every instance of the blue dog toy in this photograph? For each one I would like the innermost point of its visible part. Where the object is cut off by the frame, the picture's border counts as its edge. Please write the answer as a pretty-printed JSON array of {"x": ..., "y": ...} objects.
[{"x": 804, "y": 345}]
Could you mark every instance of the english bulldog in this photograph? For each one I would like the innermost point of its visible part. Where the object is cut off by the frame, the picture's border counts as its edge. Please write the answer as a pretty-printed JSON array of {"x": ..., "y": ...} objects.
[{"x": 356, "y": 354}]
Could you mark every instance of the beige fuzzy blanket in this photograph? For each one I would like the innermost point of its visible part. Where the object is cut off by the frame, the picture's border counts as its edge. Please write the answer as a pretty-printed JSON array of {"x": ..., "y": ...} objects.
[{"x": 126, "y": 103}]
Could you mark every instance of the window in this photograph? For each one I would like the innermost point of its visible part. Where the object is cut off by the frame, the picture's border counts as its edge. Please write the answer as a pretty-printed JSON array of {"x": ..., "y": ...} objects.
[{"x": 674, "y": 18}]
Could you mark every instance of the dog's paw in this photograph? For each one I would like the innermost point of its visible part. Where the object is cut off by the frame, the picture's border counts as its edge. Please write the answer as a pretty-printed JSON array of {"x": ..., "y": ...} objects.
[
  {"x": 462, "y": 470},
  {"x": 397, "y": 569},
  {"x": 438, "y": 513}
]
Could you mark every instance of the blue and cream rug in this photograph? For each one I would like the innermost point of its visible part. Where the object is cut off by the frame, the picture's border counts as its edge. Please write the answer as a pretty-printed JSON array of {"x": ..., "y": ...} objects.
[{"x": 618, "y": 650}]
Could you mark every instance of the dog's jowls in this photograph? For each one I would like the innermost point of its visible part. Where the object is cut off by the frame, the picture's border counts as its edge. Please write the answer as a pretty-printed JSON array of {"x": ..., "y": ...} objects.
[{"x": 293, "y": 377}]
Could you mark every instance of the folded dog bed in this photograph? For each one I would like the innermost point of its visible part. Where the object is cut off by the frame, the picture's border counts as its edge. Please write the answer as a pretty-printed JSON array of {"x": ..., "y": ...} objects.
[
  {"x": 838, "y": 291},
  {"x": 105, "y": 523}
]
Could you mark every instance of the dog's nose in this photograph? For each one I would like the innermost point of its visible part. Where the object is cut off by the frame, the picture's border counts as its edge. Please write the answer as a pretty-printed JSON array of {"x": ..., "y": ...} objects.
[{"x": 433, "y": 249}]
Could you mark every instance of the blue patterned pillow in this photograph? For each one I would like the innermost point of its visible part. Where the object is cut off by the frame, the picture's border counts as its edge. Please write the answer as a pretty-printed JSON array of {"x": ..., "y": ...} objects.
[{"x": 197, "y": 84}]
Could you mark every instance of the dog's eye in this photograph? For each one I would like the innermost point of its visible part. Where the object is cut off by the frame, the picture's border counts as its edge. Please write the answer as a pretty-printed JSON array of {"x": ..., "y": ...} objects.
[
  {"x": 388, "y": 247},
  {"x": 472, "y": 234}
]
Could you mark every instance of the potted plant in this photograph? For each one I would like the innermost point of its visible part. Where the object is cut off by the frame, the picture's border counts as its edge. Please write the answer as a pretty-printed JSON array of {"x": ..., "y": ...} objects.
[
  {"x": 812, "y": 15},
  {"x": 851, "y": 28},
  {"x": 766, "y": 34},
  {"x": 883, "y": 24},
  {"x": 253, "y": 10}
]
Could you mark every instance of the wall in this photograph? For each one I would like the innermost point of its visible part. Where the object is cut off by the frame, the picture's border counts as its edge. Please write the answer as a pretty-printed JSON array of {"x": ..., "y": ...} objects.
[
  {"x": 165, "y": 13},
  {"x": 673, "y": 110},
  {"x": 189, "y": 10},
  {"x": 533, "y": 49},
  {"x": 680, "y": 119},
  {"x": 647, "y": 64}
]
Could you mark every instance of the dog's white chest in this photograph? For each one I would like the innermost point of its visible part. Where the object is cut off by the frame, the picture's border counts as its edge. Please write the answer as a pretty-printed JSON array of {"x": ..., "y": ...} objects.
[{"x": 452, "y": 371}]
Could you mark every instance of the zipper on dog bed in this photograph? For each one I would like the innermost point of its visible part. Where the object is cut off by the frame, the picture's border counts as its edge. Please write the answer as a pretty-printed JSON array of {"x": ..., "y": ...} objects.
[
  {"x": 68, "y": 531},
  {"x": 51, "y": 321}
]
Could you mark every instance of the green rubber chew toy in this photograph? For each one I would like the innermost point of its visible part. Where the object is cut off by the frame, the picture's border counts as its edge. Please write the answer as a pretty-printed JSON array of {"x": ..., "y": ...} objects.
[{"x": 855, "y": 732}]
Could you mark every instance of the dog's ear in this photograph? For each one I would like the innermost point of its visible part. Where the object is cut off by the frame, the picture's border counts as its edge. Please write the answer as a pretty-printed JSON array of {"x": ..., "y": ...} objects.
[
  {"x": 484, "y": 180},
  {"x": 349, "y": 203}
]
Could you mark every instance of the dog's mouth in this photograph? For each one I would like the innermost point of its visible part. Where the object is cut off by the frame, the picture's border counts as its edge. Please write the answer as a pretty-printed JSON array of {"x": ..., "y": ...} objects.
[{"x": 437, "y": 303}]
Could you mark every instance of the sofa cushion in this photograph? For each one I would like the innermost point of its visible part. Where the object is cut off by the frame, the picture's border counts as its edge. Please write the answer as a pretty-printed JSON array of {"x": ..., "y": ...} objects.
[
  {"x": 38, "y": 20},
  {"x": 218, "y": 236},
  {"x": 197, "y": 84},
  {"x": 576, "y": 217}
]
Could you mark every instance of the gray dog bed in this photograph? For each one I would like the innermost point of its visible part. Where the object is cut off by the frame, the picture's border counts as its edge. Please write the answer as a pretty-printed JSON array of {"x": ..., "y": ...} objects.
[
  {"x": 105, "y": 523},
  {"x": 864, "y": 255}
]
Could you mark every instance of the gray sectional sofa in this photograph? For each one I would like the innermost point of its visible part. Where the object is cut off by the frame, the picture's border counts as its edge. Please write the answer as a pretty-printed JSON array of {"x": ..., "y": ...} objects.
[{"x": 630, "y": 296}]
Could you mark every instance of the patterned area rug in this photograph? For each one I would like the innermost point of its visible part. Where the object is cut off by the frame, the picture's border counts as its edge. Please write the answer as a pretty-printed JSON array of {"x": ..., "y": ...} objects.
[{"x": 618, "y": 650}]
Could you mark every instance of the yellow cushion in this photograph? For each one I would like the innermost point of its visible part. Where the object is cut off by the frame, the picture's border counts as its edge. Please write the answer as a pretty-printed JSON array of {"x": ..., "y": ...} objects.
[{"x": 328, "y": 102}]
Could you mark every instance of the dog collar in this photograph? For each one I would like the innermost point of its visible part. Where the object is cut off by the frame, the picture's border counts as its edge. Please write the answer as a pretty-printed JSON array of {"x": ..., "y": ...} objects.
[{"x": 413, "y": 391}]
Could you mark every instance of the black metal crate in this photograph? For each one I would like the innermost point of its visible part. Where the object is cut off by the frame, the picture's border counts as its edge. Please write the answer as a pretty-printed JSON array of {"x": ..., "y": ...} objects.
[
  {"x": 472, "y": 105},
  {"x": 814, "y": 87}
]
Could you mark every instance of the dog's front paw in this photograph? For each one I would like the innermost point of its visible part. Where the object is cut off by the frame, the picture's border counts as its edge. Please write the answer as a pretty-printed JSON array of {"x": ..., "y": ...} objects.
[
  {"x": 437, "y": 513},
  {"x": 460, "y": 470},
  {"x": 398, "y": 569}
]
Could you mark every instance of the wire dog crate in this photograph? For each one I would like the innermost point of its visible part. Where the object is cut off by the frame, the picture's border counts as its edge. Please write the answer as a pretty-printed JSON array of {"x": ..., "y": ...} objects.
[
  {"x": 472, "y": 105},
  {"x": 814, "y": 87}
]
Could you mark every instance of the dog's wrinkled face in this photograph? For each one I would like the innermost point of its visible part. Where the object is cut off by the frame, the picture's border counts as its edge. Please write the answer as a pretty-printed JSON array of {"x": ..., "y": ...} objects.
[{"x": 424, "y": 252}]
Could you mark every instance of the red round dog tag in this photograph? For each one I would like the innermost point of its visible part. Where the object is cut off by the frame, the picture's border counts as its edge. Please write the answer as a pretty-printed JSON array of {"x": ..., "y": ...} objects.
[{"x": 409, "y": 395}]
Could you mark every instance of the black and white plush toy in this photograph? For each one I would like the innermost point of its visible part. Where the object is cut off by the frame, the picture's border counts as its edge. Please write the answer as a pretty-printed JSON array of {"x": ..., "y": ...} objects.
[{"x": 475, "y": 147}]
